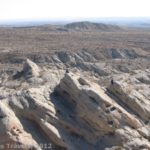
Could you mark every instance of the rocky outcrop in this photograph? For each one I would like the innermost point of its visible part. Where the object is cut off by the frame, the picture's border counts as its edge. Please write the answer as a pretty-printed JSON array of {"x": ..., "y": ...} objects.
[
  {"x": 30, "y": 69},
  {"x": 95, "y": 107},
  {"x": 98, "y": 105},
  {"x": 12, "y": 134},
  {"x": 69, "y": 111},
  {"x": 132, "y": 91},
  {"x": 101, "y": 62}
]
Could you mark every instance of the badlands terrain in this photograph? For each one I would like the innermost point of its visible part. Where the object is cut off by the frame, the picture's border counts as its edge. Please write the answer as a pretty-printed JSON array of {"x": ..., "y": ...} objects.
[{"x": 81, "y": 86}]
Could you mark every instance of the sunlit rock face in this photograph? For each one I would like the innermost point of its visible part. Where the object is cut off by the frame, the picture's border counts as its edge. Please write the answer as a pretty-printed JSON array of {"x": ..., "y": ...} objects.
[{"x": 69, "y": 110}]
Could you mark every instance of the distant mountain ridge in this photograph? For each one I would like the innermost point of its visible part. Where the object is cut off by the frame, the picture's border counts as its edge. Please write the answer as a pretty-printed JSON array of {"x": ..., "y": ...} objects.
[{"x": 86, "y": 25}]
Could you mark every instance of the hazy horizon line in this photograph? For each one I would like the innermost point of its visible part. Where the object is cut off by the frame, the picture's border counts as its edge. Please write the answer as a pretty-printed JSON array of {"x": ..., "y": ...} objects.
[
  {"x": 55, "y": 21},
  {"x": 73, "y": 18}
]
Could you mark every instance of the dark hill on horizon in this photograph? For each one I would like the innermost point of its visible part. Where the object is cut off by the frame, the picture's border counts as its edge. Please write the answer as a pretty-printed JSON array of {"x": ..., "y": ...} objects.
[{"x": 86, "y": 25}]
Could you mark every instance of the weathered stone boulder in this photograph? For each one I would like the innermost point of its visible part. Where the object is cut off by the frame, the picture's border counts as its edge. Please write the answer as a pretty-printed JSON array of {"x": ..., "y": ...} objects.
[{"x": 30, "y": 69}]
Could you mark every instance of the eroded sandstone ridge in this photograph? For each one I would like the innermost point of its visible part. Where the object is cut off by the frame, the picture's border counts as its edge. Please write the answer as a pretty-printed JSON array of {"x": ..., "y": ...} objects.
[{"x": 69, "y": 111}]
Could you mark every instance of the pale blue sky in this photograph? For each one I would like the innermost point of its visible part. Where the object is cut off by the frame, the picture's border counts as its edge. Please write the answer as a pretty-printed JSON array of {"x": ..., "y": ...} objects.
[{"x": 60, "y": 9}]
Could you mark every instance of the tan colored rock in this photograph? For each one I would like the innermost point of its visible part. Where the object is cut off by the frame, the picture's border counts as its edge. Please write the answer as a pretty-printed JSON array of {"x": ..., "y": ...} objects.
[
  {"x": 145, "y": 131},
  {"x": 69, "y": 111},
  {"x": 11, "y": 131},
  {"x": 30, "y": 69},
  {"x": 95, "y": 106},
  {"x": 124, "y": 90}
]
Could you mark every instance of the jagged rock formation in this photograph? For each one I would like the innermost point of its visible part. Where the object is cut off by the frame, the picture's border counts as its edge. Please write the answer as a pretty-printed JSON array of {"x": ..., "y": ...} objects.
[
  {"x": 101, "y": 62},
  {"x": 69, "y": 112}
]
